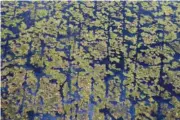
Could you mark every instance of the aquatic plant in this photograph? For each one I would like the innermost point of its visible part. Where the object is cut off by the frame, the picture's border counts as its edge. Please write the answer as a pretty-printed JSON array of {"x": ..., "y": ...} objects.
[{"x": 90, "y": 60}]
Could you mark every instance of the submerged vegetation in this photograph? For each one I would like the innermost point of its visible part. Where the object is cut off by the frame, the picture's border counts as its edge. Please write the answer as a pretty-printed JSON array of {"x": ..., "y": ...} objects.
[{"x": 90, "y": 60}]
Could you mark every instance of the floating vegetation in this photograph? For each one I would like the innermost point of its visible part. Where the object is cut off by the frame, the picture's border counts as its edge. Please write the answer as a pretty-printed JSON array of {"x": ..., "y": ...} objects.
[{"x": 90, "y": 60}]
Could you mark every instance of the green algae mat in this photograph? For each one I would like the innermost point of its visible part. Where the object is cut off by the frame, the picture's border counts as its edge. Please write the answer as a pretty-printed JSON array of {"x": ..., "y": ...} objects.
[{"x": 85, "y": 60}]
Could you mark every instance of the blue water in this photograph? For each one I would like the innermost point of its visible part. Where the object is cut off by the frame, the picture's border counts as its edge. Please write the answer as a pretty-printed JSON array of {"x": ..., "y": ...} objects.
[{"x": 91, "y": 108}]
